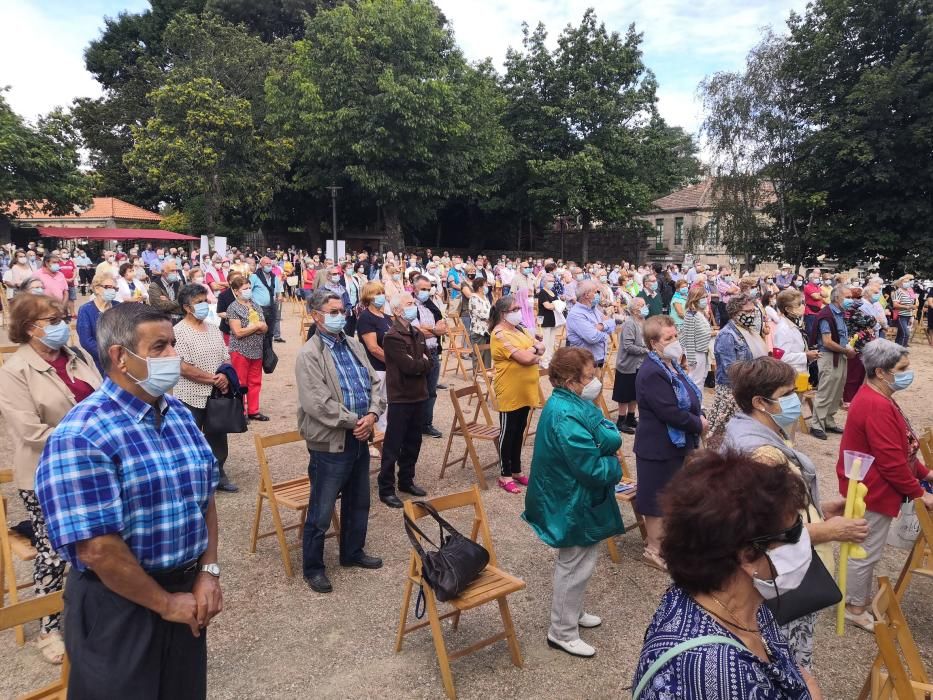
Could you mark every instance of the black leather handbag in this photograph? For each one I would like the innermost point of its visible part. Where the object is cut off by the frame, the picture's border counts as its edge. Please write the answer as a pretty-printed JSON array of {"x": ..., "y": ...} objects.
[
  {"x": 224, "y": 413},
  {"x": 457, "y": 561},
  {"x": 269, "y": 358}
]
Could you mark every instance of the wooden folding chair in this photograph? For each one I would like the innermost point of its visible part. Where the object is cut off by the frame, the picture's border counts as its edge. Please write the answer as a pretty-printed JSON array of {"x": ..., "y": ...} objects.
[
  {"x": 470, "y": 430},
  {"x": 292, "y": 494},
  {"x": 377, "y": 442},
  {"x": 12, "y": 546},
  {"x": 920, "y": 560},
  {"x": 304, "y": 325},
  {"x": 608, "y": 377},
  {"x": 542, "y": 373},
  {"x": 458, "y": 347},
  {"x": 888, "y": 678},
  {"x": 484, "y": 373},
  {"x": 627, "y": 496},
  {"x": 807, "y": 399},
  {"x": 18, "y": 614},
  {"x": 6, "y": 351},
  {"x": 492, "y": 585}
]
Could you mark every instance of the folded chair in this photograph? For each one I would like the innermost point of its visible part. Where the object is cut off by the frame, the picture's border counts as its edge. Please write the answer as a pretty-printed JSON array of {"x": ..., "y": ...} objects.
[
  {"x": 484, "y": 374},
  {"x": 12, "y": 546},
  {"x": 492, "y": 585},
  {"x": 292, "y": 495},
  {"x": 17, "y": 615},
  {"x": 458, "y": 347},
  {"x": 542, "y": 374},
  {"x": 470, "y": 430},
  {"x": 920, "y": 560}
]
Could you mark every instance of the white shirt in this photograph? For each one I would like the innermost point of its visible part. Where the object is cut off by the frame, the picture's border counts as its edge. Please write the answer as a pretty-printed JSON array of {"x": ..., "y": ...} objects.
[{"x": 788, "y": 338}]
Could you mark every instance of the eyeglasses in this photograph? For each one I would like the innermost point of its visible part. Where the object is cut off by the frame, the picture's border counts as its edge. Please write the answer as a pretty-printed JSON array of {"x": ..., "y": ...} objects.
[{"x": 789, "y": 536}]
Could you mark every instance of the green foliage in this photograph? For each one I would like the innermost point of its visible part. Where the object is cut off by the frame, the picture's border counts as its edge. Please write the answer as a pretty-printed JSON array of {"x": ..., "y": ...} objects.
[
  {"x": 39, "y": 164},
  {"x": 176, "y": 221}
]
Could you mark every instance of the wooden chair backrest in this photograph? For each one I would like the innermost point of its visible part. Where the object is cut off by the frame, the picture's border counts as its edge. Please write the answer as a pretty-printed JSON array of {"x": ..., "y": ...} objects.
[
  {"x": 264, "y": 442},
  {"x": 925, "y": 520},
  {"x": 603, "y": 406},
  {"x": 32, "y": 609},
  {"x": 891, "y": 633},
  {"x": 926, "y": 445},
  {"x": 469, "y": 390},
  {"x": 7, "y": 350},
  {"x": 452, "y": 501}
]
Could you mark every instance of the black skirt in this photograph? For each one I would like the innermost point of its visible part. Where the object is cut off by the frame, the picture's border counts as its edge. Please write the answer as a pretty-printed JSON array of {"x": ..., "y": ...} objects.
[{"x": 623, "y": 391}]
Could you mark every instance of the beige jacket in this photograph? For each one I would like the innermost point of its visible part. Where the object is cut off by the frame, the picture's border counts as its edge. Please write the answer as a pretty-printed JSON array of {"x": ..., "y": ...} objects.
[
  {"x": 33, "y": 400},
  {"x": 323, "y": 420}
]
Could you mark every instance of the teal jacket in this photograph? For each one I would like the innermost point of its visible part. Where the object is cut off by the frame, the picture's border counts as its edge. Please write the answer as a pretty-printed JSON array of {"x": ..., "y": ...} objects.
[{"x": 570, "y": 500}]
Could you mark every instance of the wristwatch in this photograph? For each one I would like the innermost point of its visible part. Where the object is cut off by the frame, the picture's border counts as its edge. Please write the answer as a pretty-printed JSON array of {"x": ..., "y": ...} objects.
[{"x": 212, "y": 569}]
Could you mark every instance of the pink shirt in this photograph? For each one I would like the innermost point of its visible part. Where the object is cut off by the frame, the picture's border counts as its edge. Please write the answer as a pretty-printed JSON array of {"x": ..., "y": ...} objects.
[{"x": 56, "y": 286}]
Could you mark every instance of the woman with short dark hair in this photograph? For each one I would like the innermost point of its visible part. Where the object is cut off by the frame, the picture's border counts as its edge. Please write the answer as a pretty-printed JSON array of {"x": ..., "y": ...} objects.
[{"x": 726, "y": 553}]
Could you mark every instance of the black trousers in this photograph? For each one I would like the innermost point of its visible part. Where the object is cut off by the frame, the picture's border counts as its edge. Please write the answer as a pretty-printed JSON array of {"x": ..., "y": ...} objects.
[
  {"x": 217, "y": 441},
  {"x": 511, "y": 431},
  {"x": 120, "y": 650},
  {"x": 401, "y": 445}
]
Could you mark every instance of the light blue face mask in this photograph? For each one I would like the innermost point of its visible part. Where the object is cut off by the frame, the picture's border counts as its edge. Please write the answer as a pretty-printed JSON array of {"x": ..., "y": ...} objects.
[
  {"x": 172, "y": 277},
  {"x": 379, "y": 301},
  {"x": 902, "y": 380},
  {"x": 596, "y": 299},
  {"x": 109, "y": 294},
  {"x": 56, "y": 335},
  {"x": 848, "y": 303},
  {"x": 423, "y": 297},
  {"x": 790, "y": 410},
  {"x": 163, "y": 374},
  {"x": 644, "y": 311},
  {"x": 411, "y": 312},
  {"x": 201, "y": 310},
  {"x": 334, "y": 324}
]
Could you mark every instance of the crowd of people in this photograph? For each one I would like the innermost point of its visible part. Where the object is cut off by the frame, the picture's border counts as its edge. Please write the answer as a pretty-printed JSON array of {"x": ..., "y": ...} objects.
[{"x": 117, "y": 470}]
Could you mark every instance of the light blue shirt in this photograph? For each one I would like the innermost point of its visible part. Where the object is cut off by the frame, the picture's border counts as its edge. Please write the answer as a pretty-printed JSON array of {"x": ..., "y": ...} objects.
[
  {"x": 582, "y": 332},
  {"x": 260, "y": 292}
]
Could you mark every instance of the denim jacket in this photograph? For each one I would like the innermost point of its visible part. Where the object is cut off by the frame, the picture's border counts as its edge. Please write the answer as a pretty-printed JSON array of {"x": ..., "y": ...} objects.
[{"x": 730, "y": 347}]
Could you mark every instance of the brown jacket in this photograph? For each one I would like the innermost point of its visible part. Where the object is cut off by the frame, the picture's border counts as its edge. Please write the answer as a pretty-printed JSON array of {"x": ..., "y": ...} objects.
[
  {"x": 33, "y": 400},
  {"x": 407, "y": 365}
]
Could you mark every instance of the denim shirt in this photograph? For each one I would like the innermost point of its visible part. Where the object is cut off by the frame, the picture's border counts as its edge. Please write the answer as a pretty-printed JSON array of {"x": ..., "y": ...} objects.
[
  {"x": 841, "y": 327},
  {"x": 730, "y": 347}
]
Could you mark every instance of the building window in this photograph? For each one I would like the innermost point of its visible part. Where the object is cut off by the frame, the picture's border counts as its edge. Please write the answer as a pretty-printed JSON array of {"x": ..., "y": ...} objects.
[
  {"x": 712, "y": 233},
  {"x": 679, "y": 230},
  {"x": 659, "y": 233}
]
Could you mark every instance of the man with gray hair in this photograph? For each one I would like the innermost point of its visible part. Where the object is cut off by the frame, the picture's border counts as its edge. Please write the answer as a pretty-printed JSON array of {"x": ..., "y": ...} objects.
[
  {"x": 587, "y": 327},
  {"x": 831, "y": 336},
  {"x": 126, "y": 483},
  {"x": 339, "y": 401},
  {"x": 164, "y": 289}
]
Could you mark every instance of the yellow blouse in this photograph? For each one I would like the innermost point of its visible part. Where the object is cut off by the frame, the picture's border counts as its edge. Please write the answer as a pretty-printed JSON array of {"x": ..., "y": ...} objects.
[{"x": 515, "y": 385}]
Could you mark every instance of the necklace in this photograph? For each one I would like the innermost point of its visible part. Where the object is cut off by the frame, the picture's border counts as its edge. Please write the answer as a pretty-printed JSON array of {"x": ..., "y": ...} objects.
[{"x": 735, "y": 619}]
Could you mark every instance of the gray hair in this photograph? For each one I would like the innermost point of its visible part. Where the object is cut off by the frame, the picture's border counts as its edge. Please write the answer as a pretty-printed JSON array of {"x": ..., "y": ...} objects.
[
  {"x": 320, "y": 297},
  {"x": 398, "y": 300},
  {"x": 585, "y": 287},
  {"x": 881, "y": 354},
  {"x": 838, "y": 293},
  {"x": 117, "y": 326}
]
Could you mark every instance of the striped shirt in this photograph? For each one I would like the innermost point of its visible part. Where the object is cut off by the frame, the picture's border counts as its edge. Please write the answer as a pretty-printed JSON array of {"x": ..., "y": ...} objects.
[
  {"x": 112, "y": 466},
  {"x": 353, "y": 377}
]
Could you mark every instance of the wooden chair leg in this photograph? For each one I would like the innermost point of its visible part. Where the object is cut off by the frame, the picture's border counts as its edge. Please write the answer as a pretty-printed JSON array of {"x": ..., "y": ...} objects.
[
  {"x": 280, "y": 535},
  {"x": 445, "y": 463},
  {"x": 255, "y": 534},
  {"x": 514, "y": 649},
  {"x": 477, "y": 466},
  {"x": 640, "y": 521},
  {"x": 335, "y": 523},
  {"x": 438, "y": 633},
  {"x": 9, "y": 581},
  {"x": 613, "y": 550},
  {"x": 406, "y": 602}
]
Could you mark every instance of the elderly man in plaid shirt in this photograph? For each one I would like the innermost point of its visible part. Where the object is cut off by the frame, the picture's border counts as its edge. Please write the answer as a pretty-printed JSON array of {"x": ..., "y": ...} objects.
[{"x": 126, "y": 482}]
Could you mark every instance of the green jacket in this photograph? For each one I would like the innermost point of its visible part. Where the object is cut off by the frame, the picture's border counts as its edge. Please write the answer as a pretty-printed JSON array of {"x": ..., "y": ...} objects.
[{"x": 570, "y": 500}]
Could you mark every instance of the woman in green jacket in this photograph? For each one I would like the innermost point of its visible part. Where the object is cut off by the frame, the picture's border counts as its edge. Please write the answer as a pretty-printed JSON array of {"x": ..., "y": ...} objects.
[{"x": 570, "y": 501}]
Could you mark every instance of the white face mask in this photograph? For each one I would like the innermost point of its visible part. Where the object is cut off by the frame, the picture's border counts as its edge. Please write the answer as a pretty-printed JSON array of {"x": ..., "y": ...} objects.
[
  {"x": 591, "y": 390},
  {"x": 674, "y": 351},
  {"x": 791, "y": 562},
  {"x": 514, "y": 317}
]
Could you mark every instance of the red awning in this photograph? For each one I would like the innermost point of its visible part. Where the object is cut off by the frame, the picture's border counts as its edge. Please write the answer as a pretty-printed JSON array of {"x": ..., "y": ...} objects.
[{"x": 114, "y": 234}]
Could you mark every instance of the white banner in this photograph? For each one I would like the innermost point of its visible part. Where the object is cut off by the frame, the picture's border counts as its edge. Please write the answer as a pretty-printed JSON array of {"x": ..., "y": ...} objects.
[
  {"x": 220, "y": 246},
  {"x": 341, "y": 249}
]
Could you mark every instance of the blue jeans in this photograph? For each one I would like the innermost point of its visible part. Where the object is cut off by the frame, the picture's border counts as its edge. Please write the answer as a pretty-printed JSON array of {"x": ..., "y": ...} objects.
[
  {"x": 427, "y": 415},
  {"x": 345, "y": 474},
  {"x": 903, "y": 330}
]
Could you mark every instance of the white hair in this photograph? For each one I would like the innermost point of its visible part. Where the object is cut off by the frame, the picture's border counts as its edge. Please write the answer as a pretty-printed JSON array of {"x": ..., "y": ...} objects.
[{"x": 881, "y": 354}]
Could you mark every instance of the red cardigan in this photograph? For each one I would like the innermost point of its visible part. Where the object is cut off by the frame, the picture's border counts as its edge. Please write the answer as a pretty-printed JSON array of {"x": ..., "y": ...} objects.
[{"x": 876, "y": 427}]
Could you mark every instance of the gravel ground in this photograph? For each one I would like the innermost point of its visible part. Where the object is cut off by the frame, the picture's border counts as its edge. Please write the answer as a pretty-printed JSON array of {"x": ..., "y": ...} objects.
[{"x": 277, "y": 638}]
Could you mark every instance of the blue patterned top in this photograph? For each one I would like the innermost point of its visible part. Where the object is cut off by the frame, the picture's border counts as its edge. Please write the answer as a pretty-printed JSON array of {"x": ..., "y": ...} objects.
[
  {"x": 353, "y": 377},
  {"x": 714, "y": 671},
  {"x": 111, "y": 468}
]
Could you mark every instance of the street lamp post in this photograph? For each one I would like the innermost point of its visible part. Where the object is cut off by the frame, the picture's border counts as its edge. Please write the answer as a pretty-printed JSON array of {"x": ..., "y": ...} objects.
[{"x": 333, "y": 206}]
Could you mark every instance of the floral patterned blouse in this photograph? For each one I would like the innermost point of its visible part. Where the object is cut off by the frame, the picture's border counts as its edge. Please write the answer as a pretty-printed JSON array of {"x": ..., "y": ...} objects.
[{"x": 714, "y": 671}]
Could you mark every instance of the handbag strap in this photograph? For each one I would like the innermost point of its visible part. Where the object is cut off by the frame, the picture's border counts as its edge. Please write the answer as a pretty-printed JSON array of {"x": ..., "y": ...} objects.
[
  {"x": 442, "y": 524},
  {"x": 409, "y": 526},
  {"x": 676, "y": 651}
]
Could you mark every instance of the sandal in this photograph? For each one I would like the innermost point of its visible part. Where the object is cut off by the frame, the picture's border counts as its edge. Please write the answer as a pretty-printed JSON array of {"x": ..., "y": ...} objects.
[
  {"x": 509, "y": 486},
  {"x": 520, "y": 479},
  {"x": 653, "y": 559},
  {"x": 864, "y": 620},
  {"x": 52, "y": 647}
]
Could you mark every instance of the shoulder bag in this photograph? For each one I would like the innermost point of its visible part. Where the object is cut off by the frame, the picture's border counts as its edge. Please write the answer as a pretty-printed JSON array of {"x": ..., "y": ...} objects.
[
  {"x": 224, "y": 413},
  {"x": 269, "y": 359},
  {"x": 457, "y": 561}
]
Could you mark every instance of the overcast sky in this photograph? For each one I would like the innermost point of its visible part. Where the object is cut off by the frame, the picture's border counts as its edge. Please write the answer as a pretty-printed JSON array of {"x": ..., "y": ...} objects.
[{"x": 41, "y": 55}]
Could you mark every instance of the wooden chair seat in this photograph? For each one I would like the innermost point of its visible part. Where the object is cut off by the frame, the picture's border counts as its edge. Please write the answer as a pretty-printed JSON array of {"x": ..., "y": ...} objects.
[
  {"x": 12, "y": 546},
  {"x": 481, "y": 431},
  {"x": 293, "y": 494},
  {"x": 491, "y": 584},
  {"x": 21, "y": 546},
  {"x": 16, "y": 615}
]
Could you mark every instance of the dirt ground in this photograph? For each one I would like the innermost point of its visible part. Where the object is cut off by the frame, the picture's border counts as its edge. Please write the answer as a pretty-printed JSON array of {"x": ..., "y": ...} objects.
[{"x": 276, "y": 638}]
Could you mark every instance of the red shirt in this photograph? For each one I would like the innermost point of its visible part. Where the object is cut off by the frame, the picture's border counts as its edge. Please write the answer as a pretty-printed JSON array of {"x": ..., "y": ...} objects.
[
  {"x": 811, "y": 305},
  {"x": 876, "y": 427},
  {"x": 78, "y": 388},
  {"x": 68, "y": 270}
]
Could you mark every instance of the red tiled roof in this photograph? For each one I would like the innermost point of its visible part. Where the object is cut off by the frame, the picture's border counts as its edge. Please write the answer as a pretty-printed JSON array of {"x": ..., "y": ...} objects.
[
  {"x": 700, "y": 196},
  {"x": 101, "y": 208}
]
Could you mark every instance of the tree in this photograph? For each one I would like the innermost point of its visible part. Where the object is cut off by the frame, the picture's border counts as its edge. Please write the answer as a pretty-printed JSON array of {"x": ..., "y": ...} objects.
[
  {"x": 378, "y": 97},
  {"x": 39, "y": 164},
  {"x": 861, "y": 74},
  {"x": 585, "y": 117}
]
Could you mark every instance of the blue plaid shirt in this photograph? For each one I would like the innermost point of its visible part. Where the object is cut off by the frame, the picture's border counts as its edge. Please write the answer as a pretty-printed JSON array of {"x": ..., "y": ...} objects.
[
  {"x": 353, "y": 377},
  {"x": 107, "y": 469}
]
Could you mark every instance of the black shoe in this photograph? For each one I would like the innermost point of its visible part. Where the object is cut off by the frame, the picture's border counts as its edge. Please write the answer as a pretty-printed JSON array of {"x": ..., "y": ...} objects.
[
  {"x": 627, "y": 429},
  {"x": 433, "y": 432},
  {"x": 227, "y": 486},
  {"x": 258, "y": 416},
  {"x": 413, "y": 490},
  {"x": 441, "y": 386},
  {"x": 817, "y": 433},
  {"x": 834, "y": 429},
  {"x": 391, "y": 500},
  {"x": 279, "y": 340},
  {"x": 364, "y": 561},
  {"x": 319, "y": 583},
  {"x": 632, "y": 421}
]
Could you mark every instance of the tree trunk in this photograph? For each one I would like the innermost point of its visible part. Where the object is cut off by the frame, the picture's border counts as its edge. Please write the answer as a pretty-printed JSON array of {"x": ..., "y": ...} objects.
[
  {"x": 584, "y": 238},
  {"x": 313, "y": 227},
  {"x": 395, "y": 238},
  {"x": 437, "y": 237}
]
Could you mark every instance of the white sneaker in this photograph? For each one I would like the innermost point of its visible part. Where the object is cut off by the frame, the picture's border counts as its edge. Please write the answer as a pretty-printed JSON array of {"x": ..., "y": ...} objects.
[
  {"x": 577, "y": 647},
  {"x": 587, "y": 620}
]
